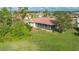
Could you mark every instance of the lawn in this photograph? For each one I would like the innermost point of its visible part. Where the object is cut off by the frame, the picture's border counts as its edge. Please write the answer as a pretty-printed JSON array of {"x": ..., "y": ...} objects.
[{"x": 44, "y": 41}]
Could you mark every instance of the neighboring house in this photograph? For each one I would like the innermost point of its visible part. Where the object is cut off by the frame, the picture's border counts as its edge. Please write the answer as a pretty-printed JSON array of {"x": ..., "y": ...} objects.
[
  {"x": 75, "y": 21},
  {"x": 39, "y": 15},
  {"x": 43, "y": 23}
]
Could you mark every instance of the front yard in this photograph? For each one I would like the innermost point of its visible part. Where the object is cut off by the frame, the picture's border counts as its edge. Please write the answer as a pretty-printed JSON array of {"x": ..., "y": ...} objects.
[{"x": 44, "y": 41}]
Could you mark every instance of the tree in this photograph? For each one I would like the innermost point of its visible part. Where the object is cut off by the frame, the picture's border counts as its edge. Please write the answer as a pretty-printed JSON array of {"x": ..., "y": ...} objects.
[
  {"x": 5, "y": 22},
  {"x": 22, "y": 11},
  {"x": 76, "y": 27},
  {"x": 46, "y": 13},
  {"x": 11, "y": 29},
  {"x": 63, "y": 21}
]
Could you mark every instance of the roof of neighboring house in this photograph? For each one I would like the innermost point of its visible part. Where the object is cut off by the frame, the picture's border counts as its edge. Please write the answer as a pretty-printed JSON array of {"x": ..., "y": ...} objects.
[{"x": 48, "y": 21}]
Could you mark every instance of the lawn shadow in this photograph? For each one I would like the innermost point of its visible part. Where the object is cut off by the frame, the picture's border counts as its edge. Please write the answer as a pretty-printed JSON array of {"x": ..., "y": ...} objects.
[{"x": 77, "y": 34}]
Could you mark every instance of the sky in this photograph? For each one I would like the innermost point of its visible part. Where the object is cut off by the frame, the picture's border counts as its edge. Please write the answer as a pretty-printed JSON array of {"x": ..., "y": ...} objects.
[
  {"x": 49, "y": 8},
  {"x": 54, "y": 8}
]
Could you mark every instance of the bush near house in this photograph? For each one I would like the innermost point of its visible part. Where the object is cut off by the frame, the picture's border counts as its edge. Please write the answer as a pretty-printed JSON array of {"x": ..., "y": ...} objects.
[{"x": 17, "y": 31}]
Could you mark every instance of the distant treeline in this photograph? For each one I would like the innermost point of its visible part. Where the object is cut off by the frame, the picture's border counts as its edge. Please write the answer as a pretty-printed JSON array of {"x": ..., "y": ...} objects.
[{"x": 50, "y": 11}]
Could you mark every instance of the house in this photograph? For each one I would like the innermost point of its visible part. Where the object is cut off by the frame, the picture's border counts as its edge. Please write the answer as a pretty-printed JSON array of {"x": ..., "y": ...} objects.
[
  {"x": 40, "y": 14},
  {"x": 48, "y": 24},
  {"x": 75, "y": 21}
]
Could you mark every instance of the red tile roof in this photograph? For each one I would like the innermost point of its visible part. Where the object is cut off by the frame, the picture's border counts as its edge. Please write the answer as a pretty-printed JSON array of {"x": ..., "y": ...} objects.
[{"x": 48, "y": 21}]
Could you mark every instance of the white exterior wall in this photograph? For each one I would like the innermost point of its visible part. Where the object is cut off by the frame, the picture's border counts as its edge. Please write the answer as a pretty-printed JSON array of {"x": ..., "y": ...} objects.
[
  {"x": 78, "y": 25},
  {"x": 33, "y": 25},
  {"x": 25, "y": 20},
  {"x": 77, "y": 22}
]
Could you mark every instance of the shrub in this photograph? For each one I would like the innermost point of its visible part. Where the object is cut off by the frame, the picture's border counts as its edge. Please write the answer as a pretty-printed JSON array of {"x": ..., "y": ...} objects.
[
  {"x": 16, "y": 32},
  {"x": 19, "y": 31}
]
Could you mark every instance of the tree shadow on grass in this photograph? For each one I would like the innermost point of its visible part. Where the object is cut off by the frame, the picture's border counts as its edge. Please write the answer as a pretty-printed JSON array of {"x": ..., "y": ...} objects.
[
  {"x": 77, "y": 34},
  {"x": 76, "y": 31}
]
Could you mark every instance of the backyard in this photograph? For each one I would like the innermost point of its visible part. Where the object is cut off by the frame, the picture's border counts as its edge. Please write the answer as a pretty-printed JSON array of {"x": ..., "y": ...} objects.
[{"x": 44, "y": 41}]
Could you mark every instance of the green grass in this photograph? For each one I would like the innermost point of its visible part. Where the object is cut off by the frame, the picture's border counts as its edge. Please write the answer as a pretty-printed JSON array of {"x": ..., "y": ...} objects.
[
  {"x": 55, "y": 41},
  {"x": 44, "y": 41}
]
